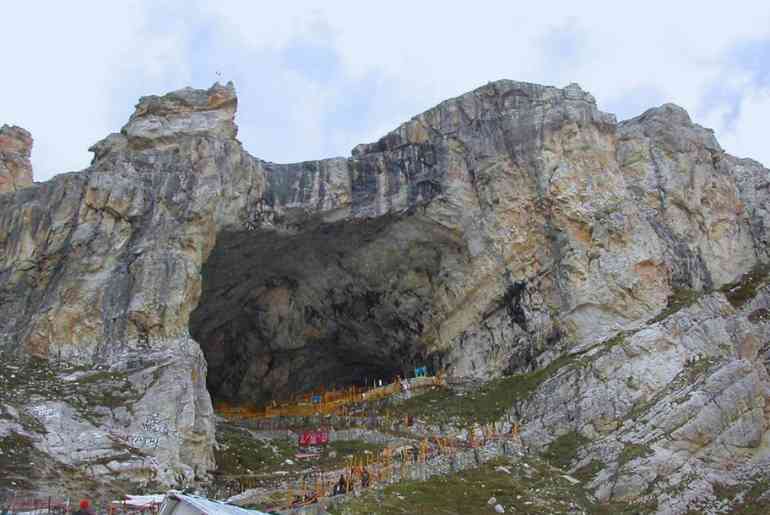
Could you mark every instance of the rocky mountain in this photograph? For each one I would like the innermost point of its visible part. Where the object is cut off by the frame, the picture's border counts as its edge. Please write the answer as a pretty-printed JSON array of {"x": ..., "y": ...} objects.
[
  {"x": 514, "y": 229},
  {"x": 15, "y": 151}
]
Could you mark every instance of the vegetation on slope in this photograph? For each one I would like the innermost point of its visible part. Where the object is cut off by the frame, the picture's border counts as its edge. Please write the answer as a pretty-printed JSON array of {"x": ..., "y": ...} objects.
[
  {"x": 742, "y": 291},
  {"x": 531, "y": 487},
  {"x": 486, "y": 404},
  {"x": 241, "y": 454}
]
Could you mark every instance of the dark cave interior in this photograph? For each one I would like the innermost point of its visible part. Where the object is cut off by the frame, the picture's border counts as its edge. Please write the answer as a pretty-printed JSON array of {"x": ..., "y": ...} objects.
[{"x": 336, "y": 305}]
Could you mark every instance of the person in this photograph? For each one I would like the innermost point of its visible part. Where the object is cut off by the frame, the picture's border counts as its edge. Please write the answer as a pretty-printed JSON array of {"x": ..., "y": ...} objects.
[
  {"x": 349, "y": 484},
  {"x": 405, "y": 388},
  {"x": 365, "y": 478},
  {"x": 341, "y": 487},
  {"x": 85, "y": 508}
]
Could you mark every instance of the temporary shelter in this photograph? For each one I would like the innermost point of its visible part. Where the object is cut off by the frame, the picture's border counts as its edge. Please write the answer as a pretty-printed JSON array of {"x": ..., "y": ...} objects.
[{"x": 181, "y": 504}]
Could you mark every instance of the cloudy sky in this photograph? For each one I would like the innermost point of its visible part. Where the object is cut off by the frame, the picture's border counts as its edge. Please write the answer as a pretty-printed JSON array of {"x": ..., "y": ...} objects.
[{"x": 316, "y": 78}]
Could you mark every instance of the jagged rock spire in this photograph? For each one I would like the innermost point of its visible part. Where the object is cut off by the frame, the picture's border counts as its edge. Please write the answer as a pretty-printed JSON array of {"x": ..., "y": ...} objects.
[{"x": 162, "y": 120}]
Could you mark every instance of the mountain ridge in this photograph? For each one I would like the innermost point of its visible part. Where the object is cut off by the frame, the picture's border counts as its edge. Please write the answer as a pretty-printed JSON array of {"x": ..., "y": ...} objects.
[{"x": 493, "y": 234}]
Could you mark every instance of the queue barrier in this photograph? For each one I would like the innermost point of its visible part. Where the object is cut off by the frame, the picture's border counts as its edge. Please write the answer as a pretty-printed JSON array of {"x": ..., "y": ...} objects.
[{"x": 334, "y": 402}]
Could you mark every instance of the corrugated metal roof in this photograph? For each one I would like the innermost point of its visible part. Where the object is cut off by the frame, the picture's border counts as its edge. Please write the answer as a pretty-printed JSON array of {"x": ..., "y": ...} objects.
[{"x": 212, "y": 507}]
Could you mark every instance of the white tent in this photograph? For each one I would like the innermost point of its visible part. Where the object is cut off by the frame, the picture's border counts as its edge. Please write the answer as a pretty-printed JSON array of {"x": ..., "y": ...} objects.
[{"x": 180, "y": 504}]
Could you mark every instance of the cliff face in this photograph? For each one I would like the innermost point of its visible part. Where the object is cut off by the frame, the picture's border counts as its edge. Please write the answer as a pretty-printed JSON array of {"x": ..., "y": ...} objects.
[
  {"x": 15, "y": 151},
  {"x": 489, "y": 235}
]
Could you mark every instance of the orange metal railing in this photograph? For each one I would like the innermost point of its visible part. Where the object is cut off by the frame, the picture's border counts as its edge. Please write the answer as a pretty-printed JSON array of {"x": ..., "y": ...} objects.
[{"x": 328, "y": 402}]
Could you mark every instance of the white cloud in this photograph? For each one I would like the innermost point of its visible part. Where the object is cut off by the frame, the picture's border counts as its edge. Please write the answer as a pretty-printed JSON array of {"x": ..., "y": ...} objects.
[
  {"x": 747, "y": 135},
  {"x": 70, "y": 63},
  {"x": 78, "y": 67}
]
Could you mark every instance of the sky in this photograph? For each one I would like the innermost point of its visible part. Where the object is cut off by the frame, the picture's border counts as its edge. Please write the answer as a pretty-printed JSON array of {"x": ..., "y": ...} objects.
[{"x": 316, "y": 78}]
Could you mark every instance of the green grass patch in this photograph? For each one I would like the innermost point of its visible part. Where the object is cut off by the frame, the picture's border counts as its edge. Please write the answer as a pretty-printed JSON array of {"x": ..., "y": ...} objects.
[
  {"x": 747, "y": 499},
  {"x": 723, "y": 491},
  {"x": 697, "y": 367},
  {"x": 342, "y": 449},
  {"x": 491, "y": 401},
  {"x": 738, "y": 293},
  {"x": 745, "y": 289},
  {"x": 239, "y": 453},
  {"x": 25, "y": 380},
  {"x": 487, "y": 404},
  {"x": 618, "y": 339},
  {"x": 605, "y": 347},
  {"x": 755, "y": 502},
  {"x": 679, "y": 299},
  {"x": 563, "y": 451},
  {"x": 588, "y": 472},
  {"x": 16, "y": 452},
  {"x": 533, "y": 489},
  {"x": 633, "y": 451},
  {"x": 353, "y": 447}
]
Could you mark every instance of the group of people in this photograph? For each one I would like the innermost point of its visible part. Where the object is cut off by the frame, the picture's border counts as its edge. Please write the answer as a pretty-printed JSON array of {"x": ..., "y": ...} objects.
[{"x": 345, "y": 484}]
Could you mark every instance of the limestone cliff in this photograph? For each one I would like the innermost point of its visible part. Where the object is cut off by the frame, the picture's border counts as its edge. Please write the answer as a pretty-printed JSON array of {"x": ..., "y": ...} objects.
[
  {"x": 491, "y": 234},
  {"x": 15, "y": 151}
]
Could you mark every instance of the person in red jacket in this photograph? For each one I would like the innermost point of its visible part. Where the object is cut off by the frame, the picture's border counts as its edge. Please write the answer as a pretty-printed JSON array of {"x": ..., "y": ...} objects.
[{"x": 85, "y": 508}]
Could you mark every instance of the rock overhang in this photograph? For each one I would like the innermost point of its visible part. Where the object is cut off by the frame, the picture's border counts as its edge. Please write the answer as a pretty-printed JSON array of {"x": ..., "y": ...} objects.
[
  {"x": 433, "y": 161},
  {"x": 494, "y": 231},
  {"x": 335, "y": 304}
]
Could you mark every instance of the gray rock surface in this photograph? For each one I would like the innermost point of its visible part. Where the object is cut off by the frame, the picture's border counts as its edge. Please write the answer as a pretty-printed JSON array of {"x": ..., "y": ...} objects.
[
  {"x": 670, "y": 412},
  {"x": 15, "y": 151},
  {"x": 491, "y": 234}
]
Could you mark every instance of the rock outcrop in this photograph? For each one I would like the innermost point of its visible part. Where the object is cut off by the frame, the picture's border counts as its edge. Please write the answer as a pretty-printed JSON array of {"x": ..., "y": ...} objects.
[
  {"x": 15, "y": 151},
  {"x": 492, "y": 234},
  {"x": 674, "y": 413}
]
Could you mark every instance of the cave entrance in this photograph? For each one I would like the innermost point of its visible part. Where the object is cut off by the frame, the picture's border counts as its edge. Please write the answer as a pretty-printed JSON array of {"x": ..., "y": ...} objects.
[{"x": 341, "y": 304}]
